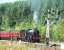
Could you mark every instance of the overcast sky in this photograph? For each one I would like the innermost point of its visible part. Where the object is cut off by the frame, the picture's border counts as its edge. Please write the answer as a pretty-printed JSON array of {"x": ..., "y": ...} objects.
[{"x": 6, "y": 1}]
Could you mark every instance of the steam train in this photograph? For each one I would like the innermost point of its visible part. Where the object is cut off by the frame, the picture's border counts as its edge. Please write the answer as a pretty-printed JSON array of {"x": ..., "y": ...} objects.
[{"x": 29, "y": 35}]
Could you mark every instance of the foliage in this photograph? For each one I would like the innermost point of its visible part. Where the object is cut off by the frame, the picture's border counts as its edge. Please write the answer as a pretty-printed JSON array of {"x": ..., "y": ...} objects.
[{"x": 18, "y": 16}]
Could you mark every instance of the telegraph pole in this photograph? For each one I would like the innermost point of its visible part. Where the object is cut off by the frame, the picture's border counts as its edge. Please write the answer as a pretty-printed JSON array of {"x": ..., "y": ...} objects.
[
  {"x": 48, "y": 23},
  {"x": 47, "y": 29}
]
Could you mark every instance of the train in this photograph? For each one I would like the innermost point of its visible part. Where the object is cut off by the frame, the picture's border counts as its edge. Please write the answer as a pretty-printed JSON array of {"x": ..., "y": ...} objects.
[{"x": 28, "y": 35}]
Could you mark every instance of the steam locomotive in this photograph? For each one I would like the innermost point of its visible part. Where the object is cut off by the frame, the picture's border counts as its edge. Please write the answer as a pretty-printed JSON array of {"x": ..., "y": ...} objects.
[{"x": 29, "y": 35}]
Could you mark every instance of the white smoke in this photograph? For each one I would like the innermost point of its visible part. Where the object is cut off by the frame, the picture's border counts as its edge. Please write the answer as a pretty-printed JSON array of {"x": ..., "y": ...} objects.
[
  {"x": 35, "y": 7},
  {"x": 35, "y": 17}
]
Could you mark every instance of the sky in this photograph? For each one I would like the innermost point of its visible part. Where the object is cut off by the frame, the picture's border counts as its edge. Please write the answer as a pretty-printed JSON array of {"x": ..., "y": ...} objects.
[{"x": 6, "y": 1}]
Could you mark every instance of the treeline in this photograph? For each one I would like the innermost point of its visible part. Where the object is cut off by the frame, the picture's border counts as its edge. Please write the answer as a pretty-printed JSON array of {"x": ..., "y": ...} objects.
[{"x": 14, "y": 13}]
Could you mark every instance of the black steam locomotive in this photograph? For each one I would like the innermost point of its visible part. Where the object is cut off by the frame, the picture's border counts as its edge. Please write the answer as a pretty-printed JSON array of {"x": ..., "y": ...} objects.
[{"x": 30, "y": 35}]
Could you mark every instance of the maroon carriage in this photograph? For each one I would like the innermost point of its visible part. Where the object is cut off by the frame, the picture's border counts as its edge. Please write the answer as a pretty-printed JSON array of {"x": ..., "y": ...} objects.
[{"x": 9, "y": 35}]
